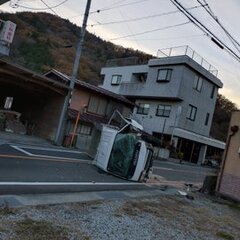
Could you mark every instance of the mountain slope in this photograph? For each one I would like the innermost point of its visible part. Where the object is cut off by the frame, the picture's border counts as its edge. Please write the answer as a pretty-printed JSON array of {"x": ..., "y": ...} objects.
[{"x": 39, "y": 45}]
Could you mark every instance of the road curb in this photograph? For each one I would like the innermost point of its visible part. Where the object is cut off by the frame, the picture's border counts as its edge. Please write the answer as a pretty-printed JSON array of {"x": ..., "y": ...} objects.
[{"x": 16, "y": 201}]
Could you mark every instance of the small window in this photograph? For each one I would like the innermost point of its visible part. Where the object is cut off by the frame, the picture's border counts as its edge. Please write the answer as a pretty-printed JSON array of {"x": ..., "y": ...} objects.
[
  {"x": 164, "y": 75},
  {"x": 192, "y": 111},
  {"x": 207, "y": 119},
  {"x": 97, "y": 105},
  {"x": 84, "y": 129},
  {"x": 213, "y": 91},
  {"x": 140, "y": 77},
  {"x": 143, "y": 108},
  {"x": 8, "y": 102},
  {"x": 197, "y": 85},
  {"x": 116, "y": 79},
  {"x": 163, "y": 110}
]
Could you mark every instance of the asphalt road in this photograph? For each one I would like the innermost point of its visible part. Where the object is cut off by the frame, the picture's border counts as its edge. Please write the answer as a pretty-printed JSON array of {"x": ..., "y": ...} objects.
[
  {"x": 27, "y": 169},
  {"x": 181, "y": 172},
  {"x": 40, "y": 171}
]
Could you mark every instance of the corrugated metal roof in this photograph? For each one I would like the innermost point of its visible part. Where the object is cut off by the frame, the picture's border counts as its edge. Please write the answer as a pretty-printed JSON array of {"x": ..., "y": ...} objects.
[{"x": 23, "y": 72}]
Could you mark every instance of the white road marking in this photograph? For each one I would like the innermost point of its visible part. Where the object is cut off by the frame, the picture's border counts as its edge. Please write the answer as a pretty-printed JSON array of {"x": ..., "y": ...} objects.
[
  {"x": 47, "y": 149},
  {"x": 19, "y": 148},
  {"x": 163, "y": 168},
  {"x": 66, "y": 183}
]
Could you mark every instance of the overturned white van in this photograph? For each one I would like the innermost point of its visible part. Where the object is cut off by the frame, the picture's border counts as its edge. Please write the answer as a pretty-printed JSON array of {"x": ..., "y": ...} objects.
[{"x": 123, "y": 153}]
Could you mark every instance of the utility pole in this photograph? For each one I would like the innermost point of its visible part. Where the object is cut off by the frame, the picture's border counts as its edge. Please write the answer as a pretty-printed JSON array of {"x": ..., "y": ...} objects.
[
  {"x": 67, "y": 100},
  {"x": 3, "y": 1}
]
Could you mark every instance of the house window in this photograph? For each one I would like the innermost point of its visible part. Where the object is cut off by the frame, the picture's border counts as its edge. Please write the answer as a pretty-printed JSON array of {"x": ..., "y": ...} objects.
[
  {"x": 207, "y": 119},
  {"x": 8, "y": 102},
  {"x": 140, "y": 77},
  {"x": 97, "y": 105},
  {"x": 143, "y": 108},
  {"x": 213, "y": 91},
  {"x": 116, "y": 79},
  {"x": 84, "y": 129},
  {"x": 197, "y": 85},
  {"x": 192, "y": 111},
  {"x": 164, "y": 75},
  {"x": 163, "y": 110}
]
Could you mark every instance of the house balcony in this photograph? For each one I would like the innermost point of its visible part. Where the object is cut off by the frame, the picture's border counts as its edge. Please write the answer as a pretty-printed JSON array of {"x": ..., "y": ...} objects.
[
  {"x": 130, "y": 88},
  {"x": 142, "y": 90}
]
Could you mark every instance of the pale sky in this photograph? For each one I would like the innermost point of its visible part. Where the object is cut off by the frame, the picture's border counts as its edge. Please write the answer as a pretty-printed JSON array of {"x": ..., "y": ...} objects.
[{"x": 188, "y": 34}]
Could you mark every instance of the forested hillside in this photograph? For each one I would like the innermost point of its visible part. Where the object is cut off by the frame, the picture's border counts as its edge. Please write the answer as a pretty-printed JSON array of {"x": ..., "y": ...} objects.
[
  {"x": 221, "y": 117},
  {"x": 40, "y": 44}
]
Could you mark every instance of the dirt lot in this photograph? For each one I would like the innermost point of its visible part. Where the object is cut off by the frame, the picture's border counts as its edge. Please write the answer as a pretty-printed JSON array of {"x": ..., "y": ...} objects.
[{"x": 164, "y": 217}]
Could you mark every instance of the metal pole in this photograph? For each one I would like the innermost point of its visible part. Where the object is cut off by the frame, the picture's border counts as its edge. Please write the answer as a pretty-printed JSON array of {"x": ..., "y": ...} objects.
[
  {"x": 67, "y": 100},
  {"x": 163, "y": 129},
  {"x": 3, "y": 1}
]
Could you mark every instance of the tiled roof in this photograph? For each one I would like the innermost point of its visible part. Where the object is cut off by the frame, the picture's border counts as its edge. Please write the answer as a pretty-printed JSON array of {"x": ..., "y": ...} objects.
[{"x": 93, "y": 88}]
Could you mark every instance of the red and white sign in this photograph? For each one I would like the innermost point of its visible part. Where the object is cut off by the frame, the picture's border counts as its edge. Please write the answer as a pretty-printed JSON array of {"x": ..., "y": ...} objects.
[{"x": 8, "y": 32}]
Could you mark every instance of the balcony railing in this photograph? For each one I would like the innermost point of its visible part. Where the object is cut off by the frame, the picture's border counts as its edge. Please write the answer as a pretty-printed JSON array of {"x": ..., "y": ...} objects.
[
  {"x": 186, "y": 50},
  {"x": 131, "y": 88}
]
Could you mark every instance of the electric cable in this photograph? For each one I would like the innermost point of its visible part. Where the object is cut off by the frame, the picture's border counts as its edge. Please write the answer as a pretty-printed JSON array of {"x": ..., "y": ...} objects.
[
  {"x": 48, "y": 7},
  {"x": 42, "y": 9},
  {"x": 211, "y": 13},
  {"x": 150, "y": 31},
  {"x": 167, "y": 38},
  {"x": 143, "y": 18},
  {"x": 110, "y": 8},
  {"x": 203, "y": 28}
]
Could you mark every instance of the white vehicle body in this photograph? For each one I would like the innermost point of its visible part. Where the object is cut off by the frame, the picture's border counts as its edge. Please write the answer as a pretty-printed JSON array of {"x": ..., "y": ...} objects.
[{"x": 123, "y": 153}]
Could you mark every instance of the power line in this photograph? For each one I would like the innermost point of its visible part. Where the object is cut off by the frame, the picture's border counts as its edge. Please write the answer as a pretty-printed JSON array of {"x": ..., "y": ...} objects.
[
  {"x": 167, "y": 38},
  {"x": 211, "y": 13},
  {"x": 150, "y": 31},
  {"x": 123, "y": 5},
  {"x": 143, "y": 18},
  {"x": 110, "y": 8},
  {"x": 42, "y": 9},
  {"x": 116, "y": 3},
  {"x": 49, "y": 7},
  {"x": 129, "y": 29},
  {"x": 203, "y": 28}
]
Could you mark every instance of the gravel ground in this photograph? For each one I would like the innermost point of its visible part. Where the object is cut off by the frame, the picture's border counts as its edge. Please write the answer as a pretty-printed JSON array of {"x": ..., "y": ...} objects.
[{"x": 163, "y": 217}]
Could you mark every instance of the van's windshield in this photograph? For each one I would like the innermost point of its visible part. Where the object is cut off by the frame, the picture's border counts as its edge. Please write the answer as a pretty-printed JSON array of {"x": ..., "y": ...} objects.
[{"x": 122, "y": 160}]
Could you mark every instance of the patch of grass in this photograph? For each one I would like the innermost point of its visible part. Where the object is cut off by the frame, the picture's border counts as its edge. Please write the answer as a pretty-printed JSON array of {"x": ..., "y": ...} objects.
[
  {"x": 29, "y": 229},
  {"x": 166, "y": 207},
  {"x": 6, "y": 210},
  {"x": 225, "y": 235}
]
